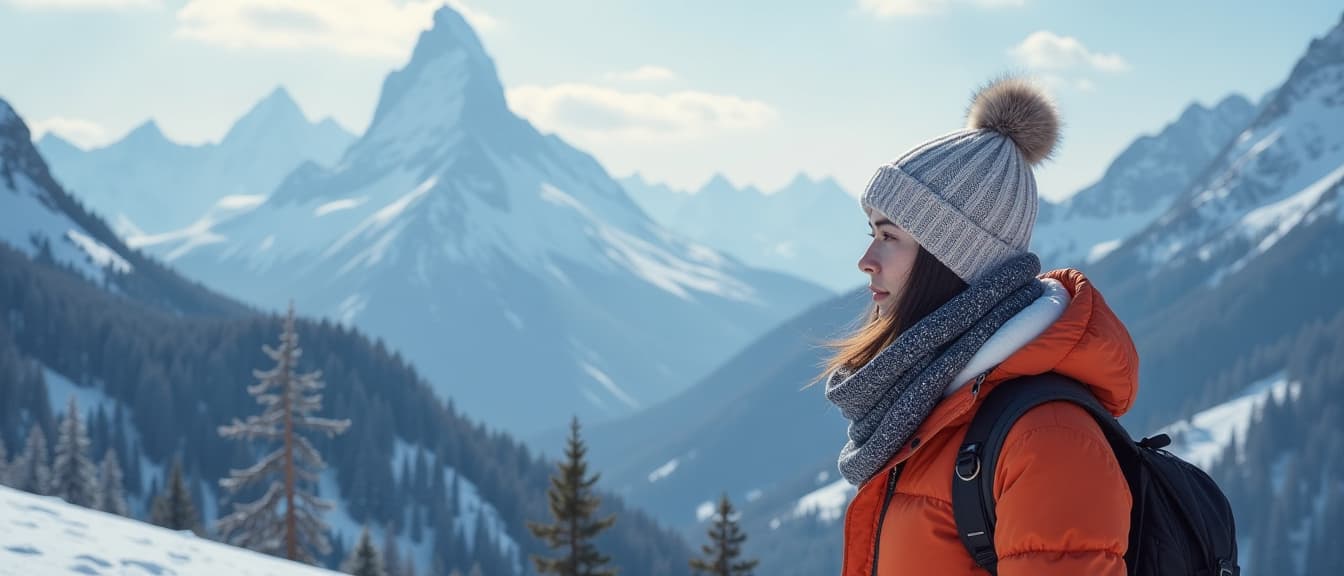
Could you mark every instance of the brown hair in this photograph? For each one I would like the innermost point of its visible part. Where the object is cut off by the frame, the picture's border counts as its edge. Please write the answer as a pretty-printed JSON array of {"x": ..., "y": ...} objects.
[{"x": 930, "y": 285}]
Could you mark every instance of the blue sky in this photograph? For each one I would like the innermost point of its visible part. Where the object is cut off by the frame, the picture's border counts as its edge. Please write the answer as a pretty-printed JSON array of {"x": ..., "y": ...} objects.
[{"x": 758, "y": 91}]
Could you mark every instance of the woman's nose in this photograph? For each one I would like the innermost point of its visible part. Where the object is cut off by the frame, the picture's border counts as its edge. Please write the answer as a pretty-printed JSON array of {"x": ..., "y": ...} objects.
[{"x": 868, "y": 264}]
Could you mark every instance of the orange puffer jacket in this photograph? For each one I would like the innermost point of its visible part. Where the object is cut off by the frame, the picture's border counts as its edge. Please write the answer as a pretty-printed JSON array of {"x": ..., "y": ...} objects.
[{"x": 1062, "y": 502}]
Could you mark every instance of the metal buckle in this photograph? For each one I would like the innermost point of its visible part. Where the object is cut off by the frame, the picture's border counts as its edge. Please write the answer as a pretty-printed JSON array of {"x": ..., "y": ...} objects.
[{"x": 968, "y": 463}]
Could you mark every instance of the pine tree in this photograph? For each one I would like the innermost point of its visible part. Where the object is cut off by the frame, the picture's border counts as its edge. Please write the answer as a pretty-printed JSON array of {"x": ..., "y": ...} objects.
[
  {"x": 151, "y": 493},
  {"x": 73, "y": 475},
  {"x": 1272, "y": 552},
  {"x": 134, "y": 478},
  {"x": 111, "y": 492},
  {"x": 33, "y": 471},
  {"x": 408, "y": 564},
  {"x": 4, "y": 464},
  {"x": 420, "y": 475},
  {"x": 438, "y": 564},
  {"x": 172, "y": 507},
  {"x": 391, "y": 552},
  {"x": 338, "y": 552},
  {"x": 725, "y": 546},
  {"x": 416, "y": 522},
  {"x": 1326, "y": 556},
  {"x": 289, "y": 402},
  {"x": 364, "y": 560},
  {"x": 573, "y": 504},
  {"x": 130, "y": 458},
  {"x": 1290, "y": 496}
]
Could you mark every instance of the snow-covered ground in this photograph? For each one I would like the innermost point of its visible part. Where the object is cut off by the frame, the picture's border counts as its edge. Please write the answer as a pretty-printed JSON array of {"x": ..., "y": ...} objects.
[
  {"x": 88, "y": 399},
  {"x": 828, "y": 502},
  {"x": 665, "y": 470},
  {"x": 26, "y": 217},
  {"x": 471, "y": 506},
  {"x": 1202, "y": 438},
  {"x": 41, "y": 536}
]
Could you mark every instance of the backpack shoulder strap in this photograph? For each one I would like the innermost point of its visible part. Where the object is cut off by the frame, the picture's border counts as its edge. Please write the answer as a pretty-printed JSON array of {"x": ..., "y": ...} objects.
[{"x": 973, "y": 480}]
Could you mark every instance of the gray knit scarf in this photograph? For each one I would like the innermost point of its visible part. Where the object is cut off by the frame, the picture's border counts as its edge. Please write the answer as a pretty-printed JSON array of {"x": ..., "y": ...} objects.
[{"x": 888, "y": 398}]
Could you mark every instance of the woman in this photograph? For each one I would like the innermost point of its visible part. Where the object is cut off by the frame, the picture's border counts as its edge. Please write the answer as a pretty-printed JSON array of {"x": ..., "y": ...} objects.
[{"x": 960, "y": 307}]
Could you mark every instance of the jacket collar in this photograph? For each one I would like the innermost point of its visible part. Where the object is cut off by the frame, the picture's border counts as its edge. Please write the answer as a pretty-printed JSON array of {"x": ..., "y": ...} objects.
[{"x": 1017, "y": 332}]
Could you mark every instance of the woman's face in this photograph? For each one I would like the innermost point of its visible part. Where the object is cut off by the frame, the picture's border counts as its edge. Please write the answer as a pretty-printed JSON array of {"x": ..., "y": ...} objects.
[{"x": 888, "y": 260}]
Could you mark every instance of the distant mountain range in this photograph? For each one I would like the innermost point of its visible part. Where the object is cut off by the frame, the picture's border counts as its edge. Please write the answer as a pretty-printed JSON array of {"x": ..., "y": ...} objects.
[
  {"x": 148, "y": 184},
  {"x": 506, "y": 264},
  {"x": 807, "y": 229}
]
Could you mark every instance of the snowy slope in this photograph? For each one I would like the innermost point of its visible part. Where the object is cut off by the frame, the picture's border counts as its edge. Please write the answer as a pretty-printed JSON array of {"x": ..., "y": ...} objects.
[
  {"x": 473, "y": 508},
  {"x": 1201, "y": 439},
  {"x": 1261, "y": 184},
  {"x": 32, "y": 218},
  {"x": 463, "y": 237},
  {"x": 147, "y": 184},
  {"x": 1138, "y": 186},
  {"x": 671, "y": 458},
  {"x": 44, "y": 536},
  {"x": 39, "y": 219},
  {"x": 89, "y": 399}
]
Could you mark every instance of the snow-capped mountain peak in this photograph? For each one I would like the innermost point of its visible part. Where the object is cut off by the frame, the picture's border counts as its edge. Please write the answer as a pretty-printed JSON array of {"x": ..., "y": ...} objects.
[
  {"x": 1139, "y": 185},
  {"x": 1291, "y": 150},
  {"x": 448, "y": 88},
  {"x": 147, "y": 133},
  {"x": 146, "y": 184},
  {"x": 720, "y": 185},
  {"x": 1326, "y": 52},
  {"x": 277, "y": 111},
  {"x": 460, "y": 233}
]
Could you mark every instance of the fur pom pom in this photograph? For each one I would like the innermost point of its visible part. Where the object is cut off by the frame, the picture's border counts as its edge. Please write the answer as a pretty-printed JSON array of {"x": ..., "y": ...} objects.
[{"x": 1019, "y": 110}]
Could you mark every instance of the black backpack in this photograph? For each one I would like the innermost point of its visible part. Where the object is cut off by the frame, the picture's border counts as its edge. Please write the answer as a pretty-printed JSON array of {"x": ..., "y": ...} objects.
[{"x": 1181, "y": 523}]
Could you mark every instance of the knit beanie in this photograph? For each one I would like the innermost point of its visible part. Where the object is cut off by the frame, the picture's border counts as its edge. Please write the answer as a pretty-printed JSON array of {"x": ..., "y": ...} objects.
[{"x": 969, "y": 197}]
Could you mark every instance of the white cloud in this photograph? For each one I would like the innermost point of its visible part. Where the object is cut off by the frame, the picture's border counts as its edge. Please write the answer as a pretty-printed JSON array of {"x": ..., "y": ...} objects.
[
  {"x": 897, "y": 8},
  {"x": 83, "y": 133},
  {"x": 644, "y": 74},
  {"x": 586, "y": 110},
  {"x": 1045, "y": 50},
  {"x": 374, "y": 28},
  {"x": 84, "y": 4}
]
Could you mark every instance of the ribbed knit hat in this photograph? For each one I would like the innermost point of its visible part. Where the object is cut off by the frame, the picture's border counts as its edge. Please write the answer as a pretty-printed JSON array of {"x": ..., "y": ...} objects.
[{"x": 969, "y": 197}]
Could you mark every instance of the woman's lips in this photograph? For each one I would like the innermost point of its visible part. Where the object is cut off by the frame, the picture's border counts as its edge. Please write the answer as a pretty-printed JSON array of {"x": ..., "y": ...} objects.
[{"x": 878, "y": 294}]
